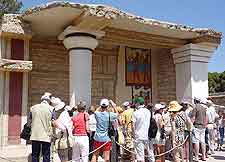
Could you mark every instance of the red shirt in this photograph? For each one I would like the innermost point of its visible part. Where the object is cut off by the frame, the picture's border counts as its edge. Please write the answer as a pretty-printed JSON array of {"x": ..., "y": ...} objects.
[{"x": 79, "y": 124}]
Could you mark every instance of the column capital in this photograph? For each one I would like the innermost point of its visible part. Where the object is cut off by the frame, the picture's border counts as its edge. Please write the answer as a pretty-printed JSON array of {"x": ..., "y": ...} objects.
[
  {"x": 193, "y": 53},
  {"x": 75, "y": 38}
]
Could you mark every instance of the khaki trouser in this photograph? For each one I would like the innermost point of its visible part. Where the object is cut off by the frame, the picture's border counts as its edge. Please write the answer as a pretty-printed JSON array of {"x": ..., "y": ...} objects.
[{"x": 212, "y": 137}]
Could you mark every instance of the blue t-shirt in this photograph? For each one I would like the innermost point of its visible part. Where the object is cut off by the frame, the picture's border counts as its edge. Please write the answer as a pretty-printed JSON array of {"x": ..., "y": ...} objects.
[{"x": 102, "y": 126}]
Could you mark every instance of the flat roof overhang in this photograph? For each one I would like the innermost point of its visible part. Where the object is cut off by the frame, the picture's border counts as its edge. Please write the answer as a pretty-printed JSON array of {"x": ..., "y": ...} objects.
[{"x": 53, "y": 18}]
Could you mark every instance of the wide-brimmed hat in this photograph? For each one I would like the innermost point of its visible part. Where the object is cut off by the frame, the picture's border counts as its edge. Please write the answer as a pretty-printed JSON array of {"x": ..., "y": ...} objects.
[
  {"x": 174, "y": 106},
  {"x": 201, "y": 99},
  {"x": 46, "y": 96},
  {"x": 159, "y": 106},
  {"x": 57, "y": 103}
]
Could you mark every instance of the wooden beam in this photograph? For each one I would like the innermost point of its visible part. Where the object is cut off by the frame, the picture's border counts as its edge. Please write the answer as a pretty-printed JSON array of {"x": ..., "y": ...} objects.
[
  {"x": 15, "y": 65},
  {"x": 88, "y": 22},
  {"x": 207, "y": 39},
  {"x": 15, "y": 35},
  {"x": 138, "y": 39},
  {"x": 79, "y": 18}
]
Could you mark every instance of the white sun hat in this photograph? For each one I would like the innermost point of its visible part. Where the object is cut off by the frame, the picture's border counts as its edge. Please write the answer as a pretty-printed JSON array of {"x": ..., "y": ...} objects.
[
  {"x": 46, "y": 96},
  {"x": 159, "y": 106},
  {"x": 104, "y": 102},
  {"x": 125, "y": 104},
  {"x": 57, "y": 103}
]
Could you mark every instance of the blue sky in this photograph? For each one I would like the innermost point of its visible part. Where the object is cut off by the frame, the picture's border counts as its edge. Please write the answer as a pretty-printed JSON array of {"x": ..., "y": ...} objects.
[{"x": 196, "y": 13}]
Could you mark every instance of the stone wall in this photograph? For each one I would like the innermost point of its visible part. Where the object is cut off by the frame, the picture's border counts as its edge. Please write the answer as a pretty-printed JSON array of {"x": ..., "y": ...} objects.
[
  {"x": 50, "y": 70},
  {"x": 166, "y": 77},
  {"x": 104, "y": 73},
  {"x": 218, "y": 98}
]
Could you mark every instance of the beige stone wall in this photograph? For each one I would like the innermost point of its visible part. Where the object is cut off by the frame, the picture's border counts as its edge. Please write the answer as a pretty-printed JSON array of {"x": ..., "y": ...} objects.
[
  {"x": 166, "y": 77},
  {"x": 104, "y": 70},
  {"x": 50, "y": 70},
  {"x": 51, "y": 73},
  {"x": 219, "y": 98}
]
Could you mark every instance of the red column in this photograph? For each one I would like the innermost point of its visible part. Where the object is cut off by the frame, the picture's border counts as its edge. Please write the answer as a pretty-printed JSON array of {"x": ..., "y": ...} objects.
[{"x": 15, "y": 94}]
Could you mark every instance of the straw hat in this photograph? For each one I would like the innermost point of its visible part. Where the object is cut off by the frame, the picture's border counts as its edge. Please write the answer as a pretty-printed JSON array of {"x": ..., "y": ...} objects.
[
  {"x": 174, "y": 106},
  {"x": 119, "y": 109}
]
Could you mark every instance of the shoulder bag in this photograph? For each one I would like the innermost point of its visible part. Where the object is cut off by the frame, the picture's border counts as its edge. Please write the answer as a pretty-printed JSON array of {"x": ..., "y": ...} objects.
[
  {"x": 64, "y": 142},
  {"x": 111, "y": 130},
  {"x": 153, "y": 128}
]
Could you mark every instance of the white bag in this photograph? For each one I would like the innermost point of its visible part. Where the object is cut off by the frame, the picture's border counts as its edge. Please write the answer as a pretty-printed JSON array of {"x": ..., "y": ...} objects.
[{"x": 64, "y": 142}]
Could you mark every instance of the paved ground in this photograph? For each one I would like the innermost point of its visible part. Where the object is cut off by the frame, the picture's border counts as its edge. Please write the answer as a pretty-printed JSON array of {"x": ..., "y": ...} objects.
[{"x": 219, "y": 156}]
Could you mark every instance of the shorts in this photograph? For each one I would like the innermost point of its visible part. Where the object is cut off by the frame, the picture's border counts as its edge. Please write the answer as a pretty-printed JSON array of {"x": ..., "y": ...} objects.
[
  {"x": 106, "y": 147},
  {"x": 198, "y": 135}
]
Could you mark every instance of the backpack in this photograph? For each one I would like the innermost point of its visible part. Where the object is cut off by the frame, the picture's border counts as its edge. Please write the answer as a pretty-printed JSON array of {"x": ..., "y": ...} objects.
[{"x": 153, "y": 128}]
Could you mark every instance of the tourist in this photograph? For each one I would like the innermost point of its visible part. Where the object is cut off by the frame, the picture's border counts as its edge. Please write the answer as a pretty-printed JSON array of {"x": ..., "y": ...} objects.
[
  {"x": 80, "y": 132},
  {"x": 185, "y": 111},
  {"x": 212, "y": 116},
  {"x": 141, "y": 123},
  {"x": 168, "y": 129},
  {"x": 127, "y": 128},
  {"x": 117, "y": 124},
  {"x": 220, "y": 125},
  {"x": 180, "y": 122},
  {"x": 199, "y": 120},
  {"x": 63, "y": 125},
  {"x": 102, "y": 139},
  {"x": 159, "y": 141},
  {"x": 41, "y": 129}
]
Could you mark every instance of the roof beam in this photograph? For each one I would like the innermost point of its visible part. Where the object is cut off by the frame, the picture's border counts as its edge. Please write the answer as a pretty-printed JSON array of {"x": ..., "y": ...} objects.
[
  {"x": 88, "y": 22},
  {"x": 137, "y": 39},
  {"x": 207, "y": 39}
]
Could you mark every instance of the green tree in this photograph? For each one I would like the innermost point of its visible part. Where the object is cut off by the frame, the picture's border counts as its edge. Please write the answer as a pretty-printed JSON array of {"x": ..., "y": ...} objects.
[
  {"x": 216, "y": 82},
  {"x": 10, "y": 6}
]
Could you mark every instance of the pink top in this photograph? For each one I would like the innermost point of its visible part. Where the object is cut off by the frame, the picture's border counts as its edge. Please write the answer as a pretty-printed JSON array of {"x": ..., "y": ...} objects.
[{"x": 79, "y": 124}]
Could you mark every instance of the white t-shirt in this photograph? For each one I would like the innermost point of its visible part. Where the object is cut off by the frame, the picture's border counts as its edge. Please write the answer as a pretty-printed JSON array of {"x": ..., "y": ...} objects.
[
  {"x": 92, "y": 123},
  {"x": 141, "y": 123},
  {"x": 64, "y": 121},
  {"x": 211, "y": 114}
]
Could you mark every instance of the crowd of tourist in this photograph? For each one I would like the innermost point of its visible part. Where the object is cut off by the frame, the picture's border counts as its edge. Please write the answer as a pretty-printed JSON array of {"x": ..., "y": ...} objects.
[{"x": 136, "y": 131}]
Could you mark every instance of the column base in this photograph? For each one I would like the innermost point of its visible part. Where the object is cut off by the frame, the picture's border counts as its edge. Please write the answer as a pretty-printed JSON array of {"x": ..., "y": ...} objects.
[{"x": 16, "y": 153}]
